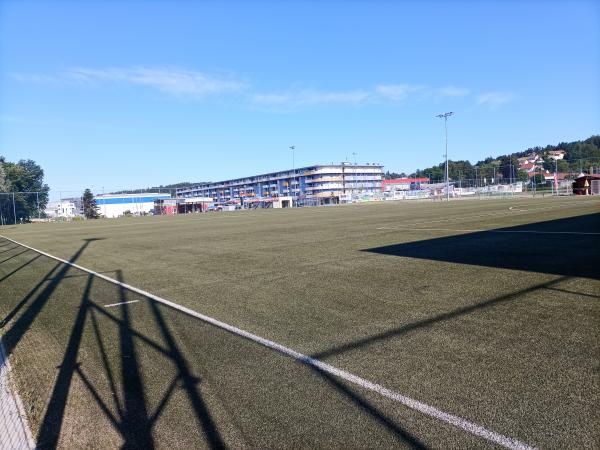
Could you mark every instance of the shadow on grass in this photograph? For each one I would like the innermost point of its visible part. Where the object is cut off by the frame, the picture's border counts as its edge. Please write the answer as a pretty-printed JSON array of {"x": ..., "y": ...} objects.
[
  {"x": 557, "y": 247},
  {"x": 513, "y": 296},
  {"x": 545, "y": 247},
  {"x": 22, "y": 266},
  {"x": 13, "y": 256},
  {"x": 13, "y": 335},
  {"x": 374, "y": 412},
  {"x": 4, "y": 250},
  {"x": 127, "y": 408}
]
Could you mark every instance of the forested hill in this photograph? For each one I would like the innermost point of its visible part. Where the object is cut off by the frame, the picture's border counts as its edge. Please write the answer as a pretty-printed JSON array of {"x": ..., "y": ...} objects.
[
  {"x": 161, "y": 188},
  {"x": 574, "y": 151},
  {"x": 583, "y": 155}
]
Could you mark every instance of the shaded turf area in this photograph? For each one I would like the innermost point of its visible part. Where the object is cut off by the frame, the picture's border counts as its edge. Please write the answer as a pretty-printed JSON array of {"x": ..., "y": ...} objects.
[{"x": 484, "y": 309}]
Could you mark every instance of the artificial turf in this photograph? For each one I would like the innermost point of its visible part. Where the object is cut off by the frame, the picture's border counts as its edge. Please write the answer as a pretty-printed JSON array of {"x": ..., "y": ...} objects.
[{"x": 500, "y": 328}]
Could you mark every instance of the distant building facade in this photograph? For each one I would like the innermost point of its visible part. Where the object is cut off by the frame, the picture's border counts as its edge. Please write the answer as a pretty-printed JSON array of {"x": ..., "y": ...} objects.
[
  {"x": 318, "y": 184},
  {"x": 116, "y": 205},
  {"x": 64, "y": 208},
  {"x": 403, "y": 184}
]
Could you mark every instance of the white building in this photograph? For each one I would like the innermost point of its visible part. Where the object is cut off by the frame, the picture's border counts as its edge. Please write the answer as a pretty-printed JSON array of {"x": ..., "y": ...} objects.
[
  {"x": 319, "y": 184},
  {"x": 63, "y": 208},
  {"x": 116, "y": 205}
]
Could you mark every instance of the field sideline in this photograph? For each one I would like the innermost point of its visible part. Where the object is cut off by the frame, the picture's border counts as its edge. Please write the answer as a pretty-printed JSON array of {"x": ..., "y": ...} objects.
[{"x": 497, "y": 327}]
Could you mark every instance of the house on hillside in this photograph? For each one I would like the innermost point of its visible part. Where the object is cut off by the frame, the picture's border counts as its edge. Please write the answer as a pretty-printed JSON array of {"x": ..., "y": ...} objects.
[
  {"x": 556, "y": 154},
  {"x": 527, "y": 167}
]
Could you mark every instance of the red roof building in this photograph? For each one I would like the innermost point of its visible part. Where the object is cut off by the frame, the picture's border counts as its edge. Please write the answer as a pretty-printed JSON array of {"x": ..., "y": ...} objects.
[{"x": 401, "y": 184}]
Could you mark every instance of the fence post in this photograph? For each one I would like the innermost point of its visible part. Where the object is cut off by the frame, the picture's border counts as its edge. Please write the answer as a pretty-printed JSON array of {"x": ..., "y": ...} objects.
[{"x": 14, "y": 208}]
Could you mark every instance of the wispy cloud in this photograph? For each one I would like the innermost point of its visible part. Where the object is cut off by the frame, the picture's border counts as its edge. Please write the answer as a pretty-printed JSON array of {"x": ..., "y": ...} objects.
[
  {"x": 309, "y": 97},
  {"x": 495, "y": 99},
  {"x": 170, "y": 80},
  {"x": 196, "y": 85},
  {"x": 398, "y": 92},
  {"x": 453, "y": 91},
  {"x": 174, "y": 81},
  {"x": 291, "y": 100}
]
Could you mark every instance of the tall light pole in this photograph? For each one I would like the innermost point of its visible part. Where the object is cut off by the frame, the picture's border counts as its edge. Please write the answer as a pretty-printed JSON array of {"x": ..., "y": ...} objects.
[{"x": 445, "y": 117}]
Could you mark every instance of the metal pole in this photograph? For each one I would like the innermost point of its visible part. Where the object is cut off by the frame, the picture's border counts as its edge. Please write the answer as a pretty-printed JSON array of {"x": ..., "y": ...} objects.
[
  {"x": 446, "y": 154},
  {"x": 14, "y": 208},
  {"x": 37, "y": 195},
  {"x": 445, "y": 117},
  {"x": 556, "y": 175}
]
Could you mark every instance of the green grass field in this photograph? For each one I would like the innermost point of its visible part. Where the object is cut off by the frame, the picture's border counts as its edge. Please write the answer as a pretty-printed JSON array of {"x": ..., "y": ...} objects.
[{"x": 498, "y": 327}]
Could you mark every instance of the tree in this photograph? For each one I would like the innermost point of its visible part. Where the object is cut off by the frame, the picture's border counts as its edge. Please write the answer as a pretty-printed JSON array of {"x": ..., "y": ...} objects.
[
  {"x": 90, "y": 209},
  {"x": 26, "y": 180},
  {"x": 538, "y": 179},
  {"x": 2, "y": 177},
  {"x": 391, "y": 175},
  {"x": 522, "y": 175}
]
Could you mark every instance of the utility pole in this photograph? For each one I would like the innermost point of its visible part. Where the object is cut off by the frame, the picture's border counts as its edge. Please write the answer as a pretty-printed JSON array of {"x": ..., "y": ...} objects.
[
  {"x": 445, "y": 117},
  {"x": 556, "y": 175}
]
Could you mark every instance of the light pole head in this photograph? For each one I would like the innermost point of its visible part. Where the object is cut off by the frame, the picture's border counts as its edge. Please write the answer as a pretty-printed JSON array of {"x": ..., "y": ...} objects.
[{"x": 445, "y": 115}]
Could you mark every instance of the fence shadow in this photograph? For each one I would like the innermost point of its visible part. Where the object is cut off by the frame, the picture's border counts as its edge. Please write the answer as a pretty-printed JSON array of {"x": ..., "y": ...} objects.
[
  {"x": 37, "y": 300},
  {"x": 127, "y": 408},
  {"x": 456, "y": 313},
  {"x": 133, "y": 420},
  {"x": 557, "y": 247}
]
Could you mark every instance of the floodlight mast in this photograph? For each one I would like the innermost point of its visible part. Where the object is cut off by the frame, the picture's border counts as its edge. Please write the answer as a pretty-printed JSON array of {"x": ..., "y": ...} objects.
[{"x": 445, "y": 117}]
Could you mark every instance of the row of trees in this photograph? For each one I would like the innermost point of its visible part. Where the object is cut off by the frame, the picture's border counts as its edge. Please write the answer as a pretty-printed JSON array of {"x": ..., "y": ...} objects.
[
  {"x": 579, "y": 156},
  {"x": 23, "y": 193}
]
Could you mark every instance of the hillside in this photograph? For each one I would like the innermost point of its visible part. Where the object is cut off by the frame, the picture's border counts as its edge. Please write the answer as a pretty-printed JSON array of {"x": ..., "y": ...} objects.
[{"x": 578, "y": 156}]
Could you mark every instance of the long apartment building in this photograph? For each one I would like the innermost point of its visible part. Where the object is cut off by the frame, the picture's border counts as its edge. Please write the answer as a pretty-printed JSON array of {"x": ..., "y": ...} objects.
[{"x": 319, "y": 184}]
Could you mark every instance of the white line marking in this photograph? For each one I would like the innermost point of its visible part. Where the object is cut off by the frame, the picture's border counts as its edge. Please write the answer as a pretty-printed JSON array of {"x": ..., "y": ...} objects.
[
  {"x": 121, "y": 303},
  {"x": 584, "y": 233},
  {"x": 416, "y": 405}
]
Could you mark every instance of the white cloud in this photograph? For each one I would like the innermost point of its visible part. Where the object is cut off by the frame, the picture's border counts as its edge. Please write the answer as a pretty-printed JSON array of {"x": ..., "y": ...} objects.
[
  {"x": 397, "y": 92},
  {"x": 309, "y": 97},
  {"x": 170, "y": 80},
  {"x": 495, "y": 99},
  {"x": 453, "y": 91},
  {"x": 183, "y": 83},
  {"x": 174, "y": 81}
]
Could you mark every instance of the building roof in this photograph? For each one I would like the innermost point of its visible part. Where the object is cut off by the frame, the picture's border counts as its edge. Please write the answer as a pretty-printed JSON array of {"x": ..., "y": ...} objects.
[
  {"x": 297, "y": 172},
  {"x": 527, "y": 166},
  {"x": 118, "y": 199}
]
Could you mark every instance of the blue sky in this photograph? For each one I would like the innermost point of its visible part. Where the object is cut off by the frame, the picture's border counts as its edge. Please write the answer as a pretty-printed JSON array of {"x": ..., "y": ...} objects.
[{"x": 117, "y": 94}]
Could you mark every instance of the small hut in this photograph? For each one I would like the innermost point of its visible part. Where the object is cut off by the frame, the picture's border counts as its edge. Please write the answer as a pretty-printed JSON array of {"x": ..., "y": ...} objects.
[{"x": 587, "y": 185}]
